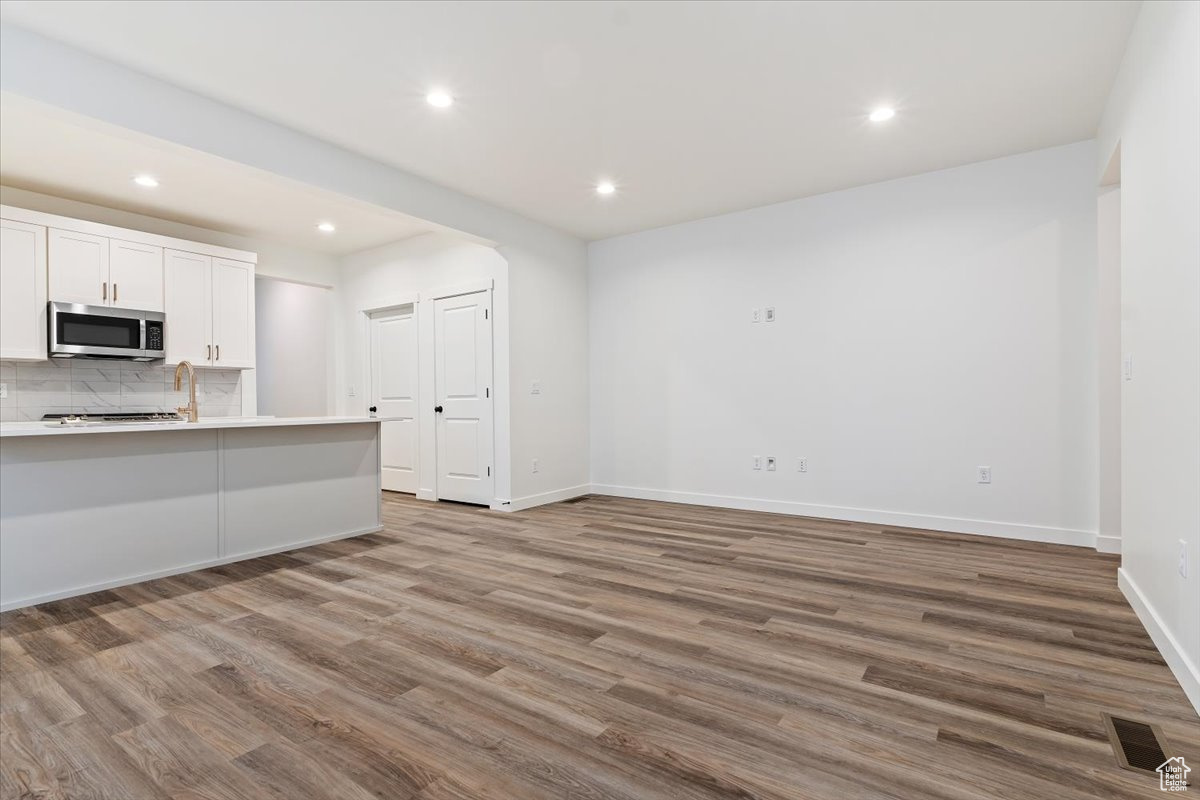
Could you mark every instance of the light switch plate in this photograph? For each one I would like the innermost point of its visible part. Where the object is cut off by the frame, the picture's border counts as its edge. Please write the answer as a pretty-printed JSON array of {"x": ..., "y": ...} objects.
[
  {"x": 985, "y": 474},
  {"x": 770, "y": 314},
  {"x": 535, "y": 387},
  {"x": 3, "y": 391}
]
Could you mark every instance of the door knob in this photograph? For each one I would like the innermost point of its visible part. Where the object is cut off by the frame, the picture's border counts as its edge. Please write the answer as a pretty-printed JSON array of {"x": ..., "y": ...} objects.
[
  {"x": 372, "y": 409},
  {"x": 437, "y": 409}
]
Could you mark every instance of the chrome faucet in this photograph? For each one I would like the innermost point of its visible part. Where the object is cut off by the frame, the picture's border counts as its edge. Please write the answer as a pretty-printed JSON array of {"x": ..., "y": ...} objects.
[{"x": 191, "y": 409}]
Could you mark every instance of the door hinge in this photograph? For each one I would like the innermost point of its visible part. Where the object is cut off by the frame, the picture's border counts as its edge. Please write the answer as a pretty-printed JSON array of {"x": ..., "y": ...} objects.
[
  {"x": 485, "y": 313},
  {"x": 487, "y": 391},
  {"x": 489, "y": 472}
]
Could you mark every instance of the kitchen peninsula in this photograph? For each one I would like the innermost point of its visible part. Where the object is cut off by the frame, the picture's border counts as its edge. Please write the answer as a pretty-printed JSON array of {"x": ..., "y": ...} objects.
[{"x": 91, "y": 507}]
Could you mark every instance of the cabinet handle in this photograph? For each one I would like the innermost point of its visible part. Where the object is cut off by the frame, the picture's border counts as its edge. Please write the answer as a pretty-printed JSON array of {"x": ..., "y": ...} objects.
[
  {"x": 209, "y": 356},
  {"x": 104, "y": 291},
  {"x": 218, "y": 352},
  {"x": 114, "y": 293}
]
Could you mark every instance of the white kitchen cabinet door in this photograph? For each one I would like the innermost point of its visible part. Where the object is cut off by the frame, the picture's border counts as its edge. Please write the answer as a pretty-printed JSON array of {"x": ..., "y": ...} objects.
[
  {"x": 78, "y": 267},
  {"x": 187, "y": 303},
  {"x": 22, "y": 291},
  {"x": 232, "y": 314},
  {"x": 135, "y": 272}
]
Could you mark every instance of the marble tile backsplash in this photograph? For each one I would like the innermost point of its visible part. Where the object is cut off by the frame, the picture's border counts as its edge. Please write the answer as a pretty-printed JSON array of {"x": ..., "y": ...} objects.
[{"x": 73, "y": 385}]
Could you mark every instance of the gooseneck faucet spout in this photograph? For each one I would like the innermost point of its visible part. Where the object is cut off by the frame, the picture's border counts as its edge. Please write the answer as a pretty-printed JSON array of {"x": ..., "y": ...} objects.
[{"x": 191, "y": 409}]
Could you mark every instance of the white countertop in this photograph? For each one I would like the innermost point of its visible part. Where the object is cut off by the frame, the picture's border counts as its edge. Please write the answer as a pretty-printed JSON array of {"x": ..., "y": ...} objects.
[{"x": 56, "y": 429}]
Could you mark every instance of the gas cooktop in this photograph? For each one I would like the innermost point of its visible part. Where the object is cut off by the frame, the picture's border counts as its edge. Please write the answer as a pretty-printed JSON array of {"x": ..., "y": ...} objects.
[{"x": 96, "y": 419}]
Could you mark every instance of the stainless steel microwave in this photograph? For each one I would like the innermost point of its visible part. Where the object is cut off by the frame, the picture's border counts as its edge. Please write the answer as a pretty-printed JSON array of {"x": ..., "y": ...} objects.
[{"x": 82, "y": 331}]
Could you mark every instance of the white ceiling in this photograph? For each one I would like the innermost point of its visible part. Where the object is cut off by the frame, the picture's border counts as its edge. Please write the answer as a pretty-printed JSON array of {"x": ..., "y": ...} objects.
[
  {"x": 692, "y": 108},
  {"x": 61, "y": 154}
]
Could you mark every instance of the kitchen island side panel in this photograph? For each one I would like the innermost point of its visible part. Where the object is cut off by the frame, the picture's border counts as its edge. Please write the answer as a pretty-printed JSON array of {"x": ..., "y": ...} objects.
[
  {"x": 287, "y": 487},
  {"x": 83, "y": 512}
]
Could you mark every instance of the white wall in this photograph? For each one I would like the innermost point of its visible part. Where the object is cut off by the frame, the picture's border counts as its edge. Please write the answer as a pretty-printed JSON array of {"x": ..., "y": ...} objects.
[
  {"x": 293, "y": 348},
  {"x": 549, "y": 336},
  {"x": 1108, "y": 346},
  {"x": 926, "y": 326},
  {"x": 398, "y": 274},
  {"x": 1152, "y": 115}
]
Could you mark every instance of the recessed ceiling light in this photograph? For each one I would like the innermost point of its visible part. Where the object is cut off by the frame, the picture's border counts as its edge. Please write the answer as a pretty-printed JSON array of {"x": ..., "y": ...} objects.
[
  {"x": 439, "y": 99},
  {"x": 605, "y": 187},
  {"x": 326, "y": 227},
  {"x": 149, "y": 181},
  {"x": 882, "y": 114}
]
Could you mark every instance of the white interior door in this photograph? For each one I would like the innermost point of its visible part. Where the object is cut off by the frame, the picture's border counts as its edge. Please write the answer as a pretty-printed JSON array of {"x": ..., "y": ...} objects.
[
  {"x": 394, "y": 394},
  {"x": 463, "y": 396}
]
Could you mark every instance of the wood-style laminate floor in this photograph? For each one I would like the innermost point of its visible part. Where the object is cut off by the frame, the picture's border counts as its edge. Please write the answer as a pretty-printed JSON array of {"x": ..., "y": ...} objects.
[{"x": 604, "y": 648}]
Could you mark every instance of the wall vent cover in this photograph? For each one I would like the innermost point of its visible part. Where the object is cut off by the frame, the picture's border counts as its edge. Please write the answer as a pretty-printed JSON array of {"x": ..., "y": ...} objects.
[{"x": 1138, "y": 746}]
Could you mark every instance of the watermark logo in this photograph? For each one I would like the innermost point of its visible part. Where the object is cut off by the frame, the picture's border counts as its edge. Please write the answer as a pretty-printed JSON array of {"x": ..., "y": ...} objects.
[{"x": 1172, "y": 775}]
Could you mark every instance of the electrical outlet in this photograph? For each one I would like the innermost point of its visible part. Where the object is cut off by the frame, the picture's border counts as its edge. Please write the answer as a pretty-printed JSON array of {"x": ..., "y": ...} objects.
[
  {"x": 801, "y": 465},
  {"x": 770, "y": 463},
  {"x": 1183, "y": 559},
  {"x": 985, "y": 474},
  {"x": 769, "y": 316},
  {"x": 535, "y": 465},
  {"x": 3, "y": 391},
  {"x": 758, "y": 462},
  {"x": 535, "y": 387},
  {"x": 352, "y": 392},
  {"x": 756, "y": 315}
]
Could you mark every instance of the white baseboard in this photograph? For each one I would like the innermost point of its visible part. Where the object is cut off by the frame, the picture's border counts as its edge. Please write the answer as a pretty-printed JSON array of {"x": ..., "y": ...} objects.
[
  {"x": 34, "y": 600},
  {"x": 1185, "y": 671},
  {"x": 533, "y": 500},
  {"x": 1008, "y": 530},
  {"x": 1108, "y": 544}
]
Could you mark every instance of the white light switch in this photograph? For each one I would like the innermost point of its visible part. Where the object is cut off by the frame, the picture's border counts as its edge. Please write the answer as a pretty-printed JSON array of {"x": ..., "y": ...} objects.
[
  {"x": 1127, "y": 368},
  {"x": 535, "y": 387},
  {"x": 758, "y": 462},
  {"x": 770, "y": 463},
  {"x": 770, "y": 315},
  {"x": 756, "y": 315},
  {"x": 985, "y": 474},
  {"x": 3, "y": 391}
]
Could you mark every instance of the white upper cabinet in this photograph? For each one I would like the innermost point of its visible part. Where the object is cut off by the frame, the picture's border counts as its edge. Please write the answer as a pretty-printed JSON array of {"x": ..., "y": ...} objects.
[
  {"x": 233, "y": 313},
  {"x": 187, "y": 281},
  {"x": 210, "y": 310},
  {"x": 79, "y": 268},
  {"x": 22, "y": 290},
  {"x": 100, "y": 271},
  {"x": 136, "y": 274}
]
